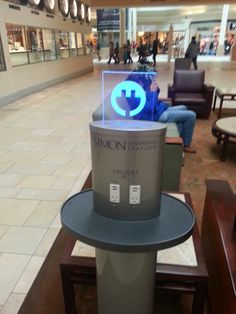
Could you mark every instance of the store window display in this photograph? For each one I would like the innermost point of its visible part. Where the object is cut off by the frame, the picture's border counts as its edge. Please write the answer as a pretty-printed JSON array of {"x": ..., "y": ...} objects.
[
  {"x": 80, "y": 45},
  {"x": 72, "y": 44},
  {"x": 17, "y": 44},
  {"x": 62, "y": 43},
  {"x": 35, "y": 44},
  {"x": 49, "y": 44},
  {"x": 229, "y": 40}
]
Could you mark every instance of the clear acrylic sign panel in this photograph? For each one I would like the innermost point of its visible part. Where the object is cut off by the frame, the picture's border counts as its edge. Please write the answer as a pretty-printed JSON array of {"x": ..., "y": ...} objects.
[{"x": 127, "y": 96}]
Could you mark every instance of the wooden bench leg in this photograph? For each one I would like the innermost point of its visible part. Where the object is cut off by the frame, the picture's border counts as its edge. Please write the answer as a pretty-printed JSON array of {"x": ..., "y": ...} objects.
[
  {"x": 68, "y": 291},
  {"x": 199, "y": 298},
  {"x": 224, "y": 148},
  {"x": 214, "y": 103},
  {"x": 220, "y": 107}
]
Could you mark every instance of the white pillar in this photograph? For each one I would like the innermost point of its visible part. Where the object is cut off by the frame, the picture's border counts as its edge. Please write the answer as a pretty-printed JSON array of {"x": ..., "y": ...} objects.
[
  {"x": 129, "y": 25},
  {"x": 187, "y": 35},
  {"x": 170, "y": 40},
  {"x": 220, "y": 48},
  {"x": 122, "y": 27},
  {"x": 134, "y": 32}
]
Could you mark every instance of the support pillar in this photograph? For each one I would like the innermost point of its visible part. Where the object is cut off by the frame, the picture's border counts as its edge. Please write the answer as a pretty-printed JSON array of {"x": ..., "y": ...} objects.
[
  {"x": 170, "y": 40},
  {"x": 220, "y": 48},
  {"x": 134, "y": 26},
  {"x": 122, "y": 27}
]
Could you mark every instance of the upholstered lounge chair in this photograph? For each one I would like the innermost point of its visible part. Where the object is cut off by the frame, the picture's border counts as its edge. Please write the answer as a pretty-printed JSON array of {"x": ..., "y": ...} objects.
[{"x": 189, "y": 89}]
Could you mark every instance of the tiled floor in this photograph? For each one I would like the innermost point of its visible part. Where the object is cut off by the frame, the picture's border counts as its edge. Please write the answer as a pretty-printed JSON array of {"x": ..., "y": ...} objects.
[{"x": 44, "y": 158}]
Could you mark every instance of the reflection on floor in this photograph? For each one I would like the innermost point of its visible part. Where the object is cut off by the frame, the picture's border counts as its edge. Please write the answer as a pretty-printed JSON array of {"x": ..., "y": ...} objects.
[{"x": 45, "y": 157}]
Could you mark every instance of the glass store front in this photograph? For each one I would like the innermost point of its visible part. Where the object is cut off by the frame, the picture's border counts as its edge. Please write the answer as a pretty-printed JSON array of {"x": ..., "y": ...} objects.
[{"x": 32, "y": 44}]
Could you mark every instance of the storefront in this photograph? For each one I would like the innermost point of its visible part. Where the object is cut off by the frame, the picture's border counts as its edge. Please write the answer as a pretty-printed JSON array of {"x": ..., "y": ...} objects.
[
  {"x": 42, "y": 42},
  {"x": 207, "y": 33}
]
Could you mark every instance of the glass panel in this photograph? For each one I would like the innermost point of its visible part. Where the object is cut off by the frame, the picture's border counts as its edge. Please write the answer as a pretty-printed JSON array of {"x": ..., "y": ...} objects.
[
  {"x": 72, "y": 44},
  {"x": 62, "y": 45},
  {"x": 35, "y": 44},
  {"x": 49, "y": 44},
  {"x": 17, "y": 44},
  {"x": 129, "y": 95},
  {"x": 80, "y": 45},
  {"x": 2, "y": 61}
]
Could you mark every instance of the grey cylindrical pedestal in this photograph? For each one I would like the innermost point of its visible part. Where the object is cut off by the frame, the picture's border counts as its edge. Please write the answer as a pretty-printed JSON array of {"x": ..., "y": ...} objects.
[
  {"x": 125, "y": 282},
  {"x": 126, "y": 249}
]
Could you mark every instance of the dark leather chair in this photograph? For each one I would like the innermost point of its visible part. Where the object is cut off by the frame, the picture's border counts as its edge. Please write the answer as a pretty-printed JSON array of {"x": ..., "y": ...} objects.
[{"x": 189, "y": 89}]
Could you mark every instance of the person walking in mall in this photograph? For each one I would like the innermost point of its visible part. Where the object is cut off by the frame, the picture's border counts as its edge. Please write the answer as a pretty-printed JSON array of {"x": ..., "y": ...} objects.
[
  {"x": 111, "y": 52},
  {"x": 129, "y": 58},
  {"x": 154, "y": 51},
  {"x": 98, "y": 48},
  {"x": 116, "y": 51},
  {"x": 192, "y": 51}
]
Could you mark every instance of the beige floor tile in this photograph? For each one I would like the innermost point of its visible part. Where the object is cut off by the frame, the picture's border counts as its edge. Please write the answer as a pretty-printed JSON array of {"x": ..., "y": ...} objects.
[
  {"x": 32, "y": 169},
  {"x": 47, "y": 242},
  {"x": 11, "y": 268},
  {"x": 44, "y": 139},
  {"x": 57, "y": 158},
  {"x": 22, "y": 157},
  {"x": 13, "y": 303},
  {"x": 54, "y": 147},
  {"x": 42, "y": 132},
  {"x": 24, "y": 283},
  {"x": 9, "y": 180},
  {"x": 8, "y": 192},
  {"x": 16, "y": 211},
  {"x": 21, "y": 240},
  {"x": 4, "y": 166},
  {"x": 56, "y": 224},
  {"x": 64, "y": 183},
  {"x": 68, "y": 170},
  {"x": 3, "y": 230},
  {"x": 42, "y": 195},
  {"x": 23, "y": 146},
  {"x": 79, "y": 159},
  {"x": 36, "y": 182},
  {"x": 80, "y": 182},
  {"x": 44, "y": 214}
]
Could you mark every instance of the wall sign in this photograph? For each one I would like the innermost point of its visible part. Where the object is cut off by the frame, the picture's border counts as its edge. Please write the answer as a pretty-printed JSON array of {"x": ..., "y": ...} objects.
[
  {"x": 73, "y": 9},
  {"x": 13, "y": 6},
  {"x": 64, "y": 7}
]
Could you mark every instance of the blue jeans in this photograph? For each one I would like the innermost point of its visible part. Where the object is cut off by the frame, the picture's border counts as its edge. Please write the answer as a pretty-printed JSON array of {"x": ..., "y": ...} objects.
[{"x": 185, "y": 120}]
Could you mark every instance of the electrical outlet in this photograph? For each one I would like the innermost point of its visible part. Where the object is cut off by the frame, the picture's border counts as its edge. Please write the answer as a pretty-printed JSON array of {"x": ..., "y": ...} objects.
[
  {"x": 134, "y": 194},
  {"x": 114, "y": 193}
]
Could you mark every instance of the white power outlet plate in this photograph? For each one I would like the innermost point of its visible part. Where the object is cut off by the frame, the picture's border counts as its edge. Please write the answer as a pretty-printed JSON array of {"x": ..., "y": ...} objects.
[
  {"x": 134, "y": 194},
  {"x": 114, "y": 193}
]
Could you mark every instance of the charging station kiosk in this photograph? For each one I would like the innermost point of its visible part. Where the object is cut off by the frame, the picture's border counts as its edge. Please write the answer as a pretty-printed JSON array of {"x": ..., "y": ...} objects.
[{"x": 125, "y": 216}]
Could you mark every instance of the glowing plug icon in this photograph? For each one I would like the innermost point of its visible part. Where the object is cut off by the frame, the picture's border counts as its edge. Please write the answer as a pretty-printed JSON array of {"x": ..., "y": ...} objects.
[{"x": 129, "y": 90}]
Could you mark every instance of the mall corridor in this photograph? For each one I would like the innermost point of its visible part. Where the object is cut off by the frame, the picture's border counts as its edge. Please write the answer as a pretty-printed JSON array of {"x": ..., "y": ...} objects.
[{"x": 45, "y": 158}]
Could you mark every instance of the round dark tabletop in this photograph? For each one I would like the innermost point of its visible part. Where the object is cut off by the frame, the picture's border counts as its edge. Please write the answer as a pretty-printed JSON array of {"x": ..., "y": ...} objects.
[{"x": 173, "y": 226}]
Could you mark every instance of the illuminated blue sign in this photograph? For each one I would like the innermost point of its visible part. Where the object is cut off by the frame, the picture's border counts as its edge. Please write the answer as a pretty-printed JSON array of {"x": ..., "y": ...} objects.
[{"x": 128, "y": 92}]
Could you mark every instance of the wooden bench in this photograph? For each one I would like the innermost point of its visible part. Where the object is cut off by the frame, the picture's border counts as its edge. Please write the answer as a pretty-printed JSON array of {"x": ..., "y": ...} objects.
[{"x": 219, "y": 245}]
